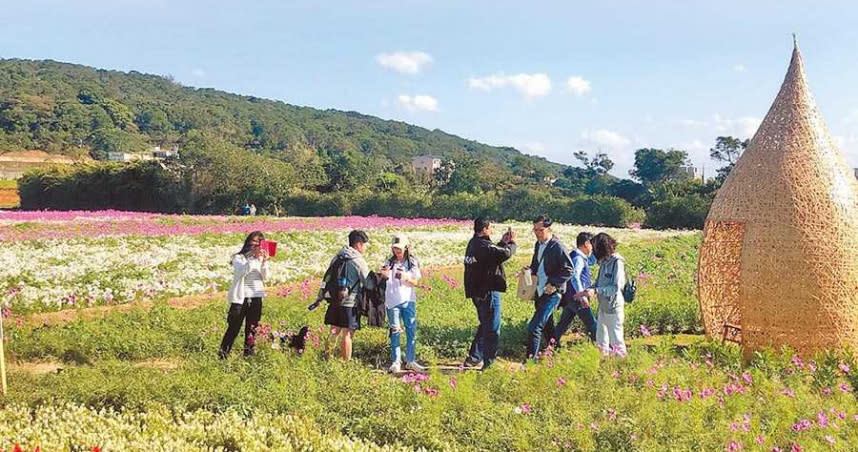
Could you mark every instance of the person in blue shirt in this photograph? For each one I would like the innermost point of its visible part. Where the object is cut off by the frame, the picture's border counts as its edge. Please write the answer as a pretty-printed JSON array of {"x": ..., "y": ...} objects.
[{"x": 582, "y": 260}]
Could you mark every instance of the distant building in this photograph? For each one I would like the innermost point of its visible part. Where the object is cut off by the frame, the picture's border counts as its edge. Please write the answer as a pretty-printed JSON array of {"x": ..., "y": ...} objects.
[
  {"x": 154, "y": 153},
  {"x": 691, "y": 171},
  {"x": 426, "y": 164},
  {"x": 162, "y": 154},
  {"x": 128, "y": 156}
]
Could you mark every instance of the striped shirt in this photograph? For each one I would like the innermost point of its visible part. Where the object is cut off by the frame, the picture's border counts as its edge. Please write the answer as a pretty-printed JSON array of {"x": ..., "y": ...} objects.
[{"x": 254, "y": 285}]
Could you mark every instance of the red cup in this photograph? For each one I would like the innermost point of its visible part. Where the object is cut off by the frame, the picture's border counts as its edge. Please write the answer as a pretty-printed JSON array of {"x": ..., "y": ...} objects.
[{"x": 270, "y": 246}]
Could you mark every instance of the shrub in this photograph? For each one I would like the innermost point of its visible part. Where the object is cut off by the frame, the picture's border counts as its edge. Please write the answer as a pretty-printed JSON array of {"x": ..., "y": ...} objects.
[{"x": 686, "y": 212}]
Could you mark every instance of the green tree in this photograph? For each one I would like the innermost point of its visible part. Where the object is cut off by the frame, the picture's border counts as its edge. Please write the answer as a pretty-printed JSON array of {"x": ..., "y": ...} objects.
[
  {"x": 654, "y": 166},
  {"x": 465, "y": 178},
  {"x": 727, "y": 150},
  {"x": 599, "y": 164}
]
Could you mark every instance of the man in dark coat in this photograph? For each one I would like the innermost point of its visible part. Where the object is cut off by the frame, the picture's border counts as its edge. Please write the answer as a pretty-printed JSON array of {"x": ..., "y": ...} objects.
[{"x": 484, "y": 282}]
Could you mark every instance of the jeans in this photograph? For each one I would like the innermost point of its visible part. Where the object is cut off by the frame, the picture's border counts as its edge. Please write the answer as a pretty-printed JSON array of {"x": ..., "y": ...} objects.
[
  {"x": 545, "y": 306},
  {"x": 484, "y": 347},
  {"x": 405, "y": 313},
  {"x": 249, "y": 312},
  {"x": 569, "y": 312}
]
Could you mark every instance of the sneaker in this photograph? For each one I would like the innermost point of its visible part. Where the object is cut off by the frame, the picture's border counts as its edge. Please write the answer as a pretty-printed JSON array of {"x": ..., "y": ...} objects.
[
  {"x": 471, "y": 363},
  {"x": 395, "y": 368},
  {"x": 413, "y": 366}
]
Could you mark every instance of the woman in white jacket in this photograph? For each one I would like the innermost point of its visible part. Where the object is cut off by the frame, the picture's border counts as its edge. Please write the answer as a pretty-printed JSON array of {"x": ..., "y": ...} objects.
[
  {"x": 609, "y": 291},
  {"x": 250, "y": 270}
]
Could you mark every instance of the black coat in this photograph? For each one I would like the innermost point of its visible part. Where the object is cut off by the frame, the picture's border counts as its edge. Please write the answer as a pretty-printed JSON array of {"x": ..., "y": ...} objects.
[
  {"x": 372, "y": 303},
  {"x": 484, "y": 266},
  {"x": 558, "y": 264}
]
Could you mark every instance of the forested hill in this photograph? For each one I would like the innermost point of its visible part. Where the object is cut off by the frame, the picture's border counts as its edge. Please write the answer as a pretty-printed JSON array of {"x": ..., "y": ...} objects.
[{"x": 72, "y": 109}]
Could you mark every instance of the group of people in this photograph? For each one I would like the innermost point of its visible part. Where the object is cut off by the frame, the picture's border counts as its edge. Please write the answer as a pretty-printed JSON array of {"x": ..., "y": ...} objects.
[
  {"x": 248, "y": 209},
  {"x": 562, "y": 281}
]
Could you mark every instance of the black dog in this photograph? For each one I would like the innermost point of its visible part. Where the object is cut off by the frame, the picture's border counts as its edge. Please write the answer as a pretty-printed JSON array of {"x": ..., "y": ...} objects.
[{"x": 298, "y": 340}]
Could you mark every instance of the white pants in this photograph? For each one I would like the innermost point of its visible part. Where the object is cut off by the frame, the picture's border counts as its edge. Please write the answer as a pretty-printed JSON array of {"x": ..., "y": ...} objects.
[{"x": 609, "y": 332}]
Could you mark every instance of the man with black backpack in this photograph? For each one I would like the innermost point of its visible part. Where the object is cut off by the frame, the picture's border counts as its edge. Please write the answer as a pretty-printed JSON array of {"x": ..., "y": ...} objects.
[{"x": 342, "y": 287}]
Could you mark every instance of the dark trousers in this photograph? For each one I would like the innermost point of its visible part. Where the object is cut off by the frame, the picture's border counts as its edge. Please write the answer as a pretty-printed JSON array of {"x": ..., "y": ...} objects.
[
  {"x": 569, "y": 312},
  {"x": 484, "y": 347},
  {"x": 248, "y": 312},
  {"x": 542, "y": 321}
]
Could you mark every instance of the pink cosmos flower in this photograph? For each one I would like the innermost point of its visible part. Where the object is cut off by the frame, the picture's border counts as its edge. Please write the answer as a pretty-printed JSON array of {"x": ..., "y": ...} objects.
[
  {"x": 802, "y": 425},
  {"x": 788, "y": 392},
  {"x": 845, "y": 387},
  {"x": 822, "y": 419},
  {"x": 561, "y": 382},
  {"x": 844, "y": 368},
  {"x": 830, "y": 439},
  {"x": 797, "y": 362},
  {"x": 733, "y": 446},
  {"x": 453, "y": 382},
  {"x": 644, "y": 331},
  {"x": 525, "y": 408}
]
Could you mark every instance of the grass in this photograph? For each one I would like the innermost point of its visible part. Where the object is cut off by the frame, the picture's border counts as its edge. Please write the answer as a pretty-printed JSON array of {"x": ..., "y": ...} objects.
[{"x": 673, "y": 392}]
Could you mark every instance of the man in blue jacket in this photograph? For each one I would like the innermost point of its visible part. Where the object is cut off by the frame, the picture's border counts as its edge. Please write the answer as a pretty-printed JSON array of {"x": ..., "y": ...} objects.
[
  {"x": 552, "y": 267},
  {"x": 582, "y": 260}
]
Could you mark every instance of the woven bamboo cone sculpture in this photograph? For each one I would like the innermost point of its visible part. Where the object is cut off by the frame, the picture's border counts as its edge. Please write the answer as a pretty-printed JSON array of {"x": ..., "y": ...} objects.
[{"x": 779, "y": 259}]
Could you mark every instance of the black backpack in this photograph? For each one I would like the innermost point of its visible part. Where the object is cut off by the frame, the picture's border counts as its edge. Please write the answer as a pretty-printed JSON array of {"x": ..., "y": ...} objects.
[
  {"x": 630, "y": 289},
  {"x": 335, "y": 286}
]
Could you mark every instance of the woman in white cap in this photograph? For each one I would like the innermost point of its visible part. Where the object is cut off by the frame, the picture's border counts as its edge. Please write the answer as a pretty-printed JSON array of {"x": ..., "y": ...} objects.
[{"x": 402, "y": 273}]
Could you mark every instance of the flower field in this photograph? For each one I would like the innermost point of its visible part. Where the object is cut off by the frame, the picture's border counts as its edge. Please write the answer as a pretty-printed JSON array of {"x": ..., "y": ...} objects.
[
  {"x": 147, "y": 378},
  {"x": 59, "y": 260}
]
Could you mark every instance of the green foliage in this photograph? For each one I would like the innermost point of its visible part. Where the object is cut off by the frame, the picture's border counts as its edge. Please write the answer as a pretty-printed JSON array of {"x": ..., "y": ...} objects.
[
  {"x": 58, "y": 106},
  {"x": 654, "y": 166},
  {"x": 686, "y": 212}
]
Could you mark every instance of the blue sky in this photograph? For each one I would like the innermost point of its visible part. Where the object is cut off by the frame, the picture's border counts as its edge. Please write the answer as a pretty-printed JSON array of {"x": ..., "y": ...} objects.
[{"x": 549, "y": 78}]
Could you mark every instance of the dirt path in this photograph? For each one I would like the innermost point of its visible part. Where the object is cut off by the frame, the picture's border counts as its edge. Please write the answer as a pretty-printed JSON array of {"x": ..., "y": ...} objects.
[{"x": 49, "y": 367}]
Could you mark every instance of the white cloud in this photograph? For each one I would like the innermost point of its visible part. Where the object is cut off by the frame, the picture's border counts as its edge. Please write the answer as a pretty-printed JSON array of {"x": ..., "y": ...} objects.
[
  {"x": 744, "y": 127},
  {"x": 604, "y": 139},
  {"x": 530, "y": 85},
  {"x": 739, "y": 68},
  {"x": 578, "y": 85},
  {"x": 404, "y": 62},
  {"x": 420, "y": 102},
  {"x": 198, "y": 72}
]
